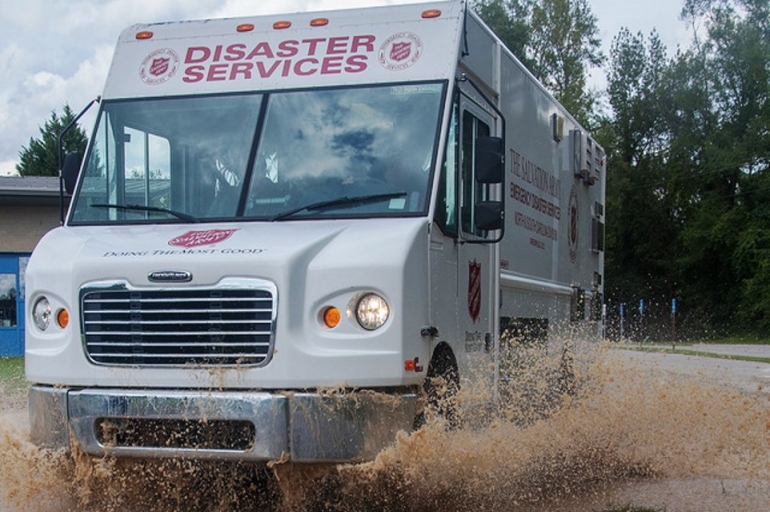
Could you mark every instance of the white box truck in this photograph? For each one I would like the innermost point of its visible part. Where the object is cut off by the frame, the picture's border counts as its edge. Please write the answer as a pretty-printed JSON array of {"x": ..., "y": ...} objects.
[{"x": 283, "y": 224}]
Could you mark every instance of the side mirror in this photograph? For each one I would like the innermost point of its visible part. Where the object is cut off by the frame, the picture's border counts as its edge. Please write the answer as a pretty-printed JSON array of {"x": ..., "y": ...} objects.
[
  {"x": 489, "y": 160},
  {"x": 489, "y": 215},
  {"x": 70, "y": 170}
]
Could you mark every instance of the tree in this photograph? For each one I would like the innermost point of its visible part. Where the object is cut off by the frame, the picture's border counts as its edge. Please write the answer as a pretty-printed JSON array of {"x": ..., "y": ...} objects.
[
  {"x": 643, "y": 225},
  {"x": 689, "y": 157},
  {"x": 564, "y": 43},
  {"x": 509, "y": 19},
  {"x": 40, "y": 157},
  {"x": 557, "y": 40}
]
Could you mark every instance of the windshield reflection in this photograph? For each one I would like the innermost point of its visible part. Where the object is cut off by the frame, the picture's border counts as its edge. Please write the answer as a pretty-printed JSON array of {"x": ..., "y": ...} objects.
[{"x": 203, "y": 157}]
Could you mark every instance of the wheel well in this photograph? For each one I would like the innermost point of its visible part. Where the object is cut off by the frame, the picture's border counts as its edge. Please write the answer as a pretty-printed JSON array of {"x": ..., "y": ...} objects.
[{"x": 443, "y": 363}]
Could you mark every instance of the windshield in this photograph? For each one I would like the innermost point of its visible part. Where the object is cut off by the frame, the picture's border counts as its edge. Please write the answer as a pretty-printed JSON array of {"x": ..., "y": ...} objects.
[{"x": 364, "y": 151}]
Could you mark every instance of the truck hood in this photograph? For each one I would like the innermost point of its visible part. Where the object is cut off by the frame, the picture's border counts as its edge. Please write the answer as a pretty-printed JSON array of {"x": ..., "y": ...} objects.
[
  {"x": 210, "y": 252},
  {"x": 309, "y": 264}
]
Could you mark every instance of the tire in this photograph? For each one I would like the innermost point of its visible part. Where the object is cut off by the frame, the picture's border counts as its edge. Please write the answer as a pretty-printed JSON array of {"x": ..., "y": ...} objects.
[{"x": 440, "y": 388}]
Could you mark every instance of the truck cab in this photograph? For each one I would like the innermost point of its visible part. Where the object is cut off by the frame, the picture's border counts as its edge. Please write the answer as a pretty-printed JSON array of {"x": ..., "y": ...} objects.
[{"x": 282, "y": 228}]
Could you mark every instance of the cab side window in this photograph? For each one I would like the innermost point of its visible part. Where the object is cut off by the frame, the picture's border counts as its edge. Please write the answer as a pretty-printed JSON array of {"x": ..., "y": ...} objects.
[
  {"x": 446, "y": 207},
  {"x": 472, "y": 191}
]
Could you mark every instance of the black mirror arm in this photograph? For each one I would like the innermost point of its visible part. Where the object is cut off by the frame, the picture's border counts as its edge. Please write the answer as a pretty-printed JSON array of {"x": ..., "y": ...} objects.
[{"x": 60, "y": 151}]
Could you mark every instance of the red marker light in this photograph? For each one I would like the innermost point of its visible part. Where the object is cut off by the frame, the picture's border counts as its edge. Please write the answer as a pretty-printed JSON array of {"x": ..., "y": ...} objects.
[
  {"x": 319, "y": 22},
  {"x": 431, "y": 13},
  {"x": 281, "y": 25},
  {"x": 144, "y": 34},
  {"x": 413, "y": 365},
  {"x": 245, "y": 27}
]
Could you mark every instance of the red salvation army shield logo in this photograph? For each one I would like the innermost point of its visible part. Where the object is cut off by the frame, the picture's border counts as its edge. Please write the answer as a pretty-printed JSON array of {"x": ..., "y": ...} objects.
[
  {"x": 400, "y": 51},
  {"x": 474, "y": 290},
  {"x": 198, "y": 238},
  {"x": 159, "y": 66}
]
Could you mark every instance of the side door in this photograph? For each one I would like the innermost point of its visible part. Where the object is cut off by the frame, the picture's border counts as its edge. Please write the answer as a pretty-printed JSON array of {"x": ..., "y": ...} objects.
[{"x": 478, "y": 271}]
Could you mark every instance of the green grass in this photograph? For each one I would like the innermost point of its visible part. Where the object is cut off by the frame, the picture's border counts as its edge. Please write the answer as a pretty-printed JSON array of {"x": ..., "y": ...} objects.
[
  {"x": 12, "y": 374},
  {"x": 748, "y": 339},
  {"x": 665, "y": 348}
]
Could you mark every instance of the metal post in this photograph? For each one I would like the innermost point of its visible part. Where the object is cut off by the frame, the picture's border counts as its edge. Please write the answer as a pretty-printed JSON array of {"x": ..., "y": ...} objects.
[
  {"x": 673, "y": 323},
  {"x": 622, "y": 320}
]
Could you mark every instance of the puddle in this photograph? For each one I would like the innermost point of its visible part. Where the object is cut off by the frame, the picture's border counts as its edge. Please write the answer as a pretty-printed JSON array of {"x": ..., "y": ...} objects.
[{"x": 628, "y": 437}]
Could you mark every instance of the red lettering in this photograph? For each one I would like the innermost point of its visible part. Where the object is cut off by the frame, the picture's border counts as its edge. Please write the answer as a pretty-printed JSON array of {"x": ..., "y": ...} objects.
[
  {"x": 355, "y": 64},
  {"x": 313, "y": 44},
  {"x": 241, "y": 68},
  {"x": 261, "y": 50},
  {"x": 217, "y": 73},
  {"x": 331, "y": 66},
  {"x": 337, "y": 45},
  {"x": 288, "y": 48},
  {"x": 217, "y": 52},
  {"x": 305, "y": 72},
  {"x": 193, "y": 74},
  {"x": 203, "y": 54},
  {"x": 365, "y": 42},
  {"x": 235, "y": 52},
  {"x": 267, "y": 72},
  {"x": 277, "y": 60}
]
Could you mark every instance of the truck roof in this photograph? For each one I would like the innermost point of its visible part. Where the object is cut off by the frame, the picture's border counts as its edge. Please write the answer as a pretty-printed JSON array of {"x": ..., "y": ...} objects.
[{"x": 366, "y": 45}]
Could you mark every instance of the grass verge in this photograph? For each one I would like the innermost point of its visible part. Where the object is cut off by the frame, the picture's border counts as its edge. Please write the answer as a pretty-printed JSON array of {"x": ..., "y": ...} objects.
[
  {"x": 689, "y": 352},
  {"x": 12, "y": 374}
]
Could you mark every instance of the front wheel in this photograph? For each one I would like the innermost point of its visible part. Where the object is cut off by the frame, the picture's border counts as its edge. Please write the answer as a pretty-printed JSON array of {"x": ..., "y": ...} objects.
[{"x": 441, "y": 388}]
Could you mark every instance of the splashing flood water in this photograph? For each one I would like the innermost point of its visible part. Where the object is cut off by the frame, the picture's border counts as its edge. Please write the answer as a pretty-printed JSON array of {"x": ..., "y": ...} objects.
[{"x": 633, "y": 434}]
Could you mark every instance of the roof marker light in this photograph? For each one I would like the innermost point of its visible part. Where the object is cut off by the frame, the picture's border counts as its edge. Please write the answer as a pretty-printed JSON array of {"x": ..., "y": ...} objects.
[
  {"x": 144, "y": 34},
  {"x": 280, "y": 25},
  {"x": 319, "y": 22},
  {"x": 245, "y": 27},
  {"x": 431, "y": 13}
]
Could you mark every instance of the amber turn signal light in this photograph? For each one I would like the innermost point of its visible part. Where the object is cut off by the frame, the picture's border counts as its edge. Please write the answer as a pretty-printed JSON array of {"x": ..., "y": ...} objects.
[
  {"x": 332, "y": 317},
  {"x": 63, "y": 318}
]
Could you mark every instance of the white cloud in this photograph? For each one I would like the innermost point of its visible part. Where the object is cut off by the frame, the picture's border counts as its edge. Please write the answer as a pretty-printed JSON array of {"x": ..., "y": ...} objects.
[{"x": 8, "y": 168}]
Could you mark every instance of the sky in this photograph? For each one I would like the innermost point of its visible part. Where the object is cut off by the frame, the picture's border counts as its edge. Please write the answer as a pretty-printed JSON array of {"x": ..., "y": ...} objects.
[{"x": 57, "y": 52}]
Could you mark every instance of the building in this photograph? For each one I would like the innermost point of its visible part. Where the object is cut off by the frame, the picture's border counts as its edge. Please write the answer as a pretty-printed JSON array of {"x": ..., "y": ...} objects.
[{"x": 29, "y": 208}]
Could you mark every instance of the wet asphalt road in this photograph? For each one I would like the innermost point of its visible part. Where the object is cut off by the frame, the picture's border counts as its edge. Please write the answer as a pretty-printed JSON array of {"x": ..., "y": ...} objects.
[{"x": 746, "y": 376}]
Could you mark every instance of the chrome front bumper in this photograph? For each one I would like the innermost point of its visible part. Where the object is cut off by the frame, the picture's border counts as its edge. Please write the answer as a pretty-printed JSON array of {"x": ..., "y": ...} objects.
[{"x": 296, "y": 426}]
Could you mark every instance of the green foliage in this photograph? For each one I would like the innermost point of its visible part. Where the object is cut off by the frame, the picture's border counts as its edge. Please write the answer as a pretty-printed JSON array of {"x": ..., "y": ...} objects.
[
  {"x": 564, "y": 43},
  {"x": 40, "y": 157},
  {"x": 689, "y": 155},
  {"x": 508, "y": 18},
  {"x": 557, "y": 40}
]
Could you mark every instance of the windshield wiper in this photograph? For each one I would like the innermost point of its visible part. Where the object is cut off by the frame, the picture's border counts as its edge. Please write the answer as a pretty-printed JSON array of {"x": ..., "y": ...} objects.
[
  {"x": 142, "y": 208},
  {"x": 340, "y": 202}
]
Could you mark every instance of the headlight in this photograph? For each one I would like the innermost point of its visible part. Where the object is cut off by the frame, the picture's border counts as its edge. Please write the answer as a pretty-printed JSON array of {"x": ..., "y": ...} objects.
[
  {"x": 372, "y": 311},
  {"x": 41, "y": 313}
]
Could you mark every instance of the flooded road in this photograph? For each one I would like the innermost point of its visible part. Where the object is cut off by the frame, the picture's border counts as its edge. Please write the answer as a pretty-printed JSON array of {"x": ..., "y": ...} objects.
[{"x": 666, "y": 432}]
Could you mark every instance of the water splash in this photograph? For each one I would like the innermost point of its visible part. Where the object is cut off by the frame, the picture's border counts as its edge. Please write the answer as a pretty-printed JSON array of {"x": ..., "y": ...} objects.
[{"x": 624, "y": 430}]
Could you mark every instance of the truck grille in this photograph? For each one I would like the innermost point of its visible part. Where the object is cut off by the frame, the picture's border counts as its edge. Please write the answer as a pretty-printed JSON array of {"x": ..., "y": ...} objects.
[{"x": 221, "y": 326}]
